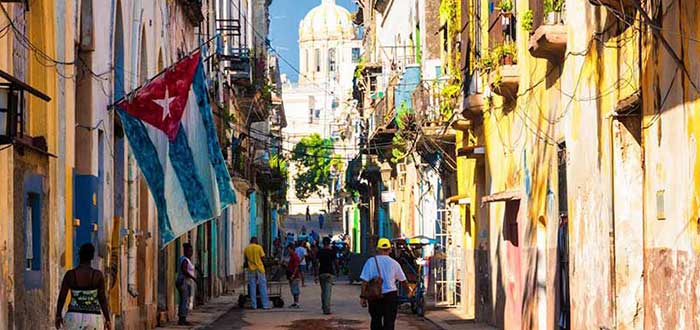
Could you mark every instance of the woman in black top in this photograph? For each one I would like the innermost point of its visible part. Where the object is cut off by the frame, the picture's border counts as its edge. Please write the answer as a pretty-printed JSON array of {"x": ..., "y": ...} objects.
[{"x": 88, "y": 300}]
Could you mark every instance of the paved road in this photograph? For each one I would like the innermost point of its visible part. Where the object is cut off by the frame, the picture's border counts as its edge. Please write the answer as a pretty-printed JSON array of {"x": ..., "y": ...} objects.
[
  {"x": 293, "y": 223},
  {"x": 347, "y": 313}
]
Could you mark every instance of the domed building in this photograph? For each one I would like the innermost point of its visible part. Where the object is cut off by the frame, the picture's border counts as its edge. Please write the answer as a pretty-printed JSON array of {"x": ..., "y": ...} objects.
[
  {"x": 321, "y": 101},
  {"x": 328, "y": 44}
]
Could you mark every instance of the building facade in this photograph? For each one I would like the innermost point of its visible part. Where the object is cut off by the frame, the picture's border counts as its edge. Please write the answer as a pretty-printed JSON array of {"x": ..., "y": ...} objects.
[{"x": 69, "y": 176}]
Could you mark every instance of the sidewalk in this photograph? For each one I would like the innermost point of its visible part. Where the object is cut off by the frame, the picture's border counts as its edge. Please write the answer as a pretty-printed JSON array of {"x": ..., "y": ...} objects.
[
  {"x": 452, "y": 319},
  {"x": 204, "y": 315}
]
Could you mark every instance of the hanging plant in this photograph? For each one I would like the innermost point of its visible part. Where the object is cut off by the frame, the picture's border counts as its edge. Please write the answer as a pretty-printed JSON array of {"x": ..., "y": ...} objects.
[
  {"x": 506, "y": 6},
  {"x": 527, "y": 20}
]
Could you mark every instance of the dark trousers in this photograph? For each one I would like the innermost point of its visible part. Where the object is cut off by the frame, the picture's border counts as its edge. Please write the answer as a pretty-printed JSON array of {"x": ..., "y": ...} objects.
[
  {"x": 383, "y": 312},
  {"x": 185, "y": 293}
]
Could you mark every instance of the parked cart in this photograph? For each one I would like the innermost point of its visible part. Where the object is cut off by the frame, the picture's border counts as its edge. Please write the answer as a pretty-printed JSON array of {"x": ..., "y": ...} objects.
[
  {"x": 408, "y": 252},
  {"x": 274, "y": 274},
  {"x": 274, "y": 293}
]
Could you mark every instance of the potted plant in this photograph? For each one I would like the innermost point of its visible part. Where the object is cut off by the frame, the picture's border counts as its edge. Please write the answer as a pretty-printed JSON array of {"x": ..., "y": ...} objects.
[
  {"x": 507, "y": 53},
  {"x": 506, "y": 7},
  {"x": 487, "y": 63},
  {"x": 527, "y": 20},
  {"x": 552, "y": 10}
]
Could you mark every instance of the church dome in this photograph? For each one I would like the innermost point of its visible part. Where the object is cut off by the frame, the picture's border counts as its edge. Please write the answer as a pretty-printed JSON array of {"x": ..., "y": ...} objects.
[{"x": 327, "y": 21}]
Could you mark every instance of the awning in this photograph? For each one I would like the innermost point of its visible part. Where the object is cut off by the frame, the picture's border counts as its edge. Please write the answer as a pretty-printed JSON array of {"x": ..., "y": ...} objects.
[
  {"x": 503, "y": 196},
  {"x": 459, "y": 199}
]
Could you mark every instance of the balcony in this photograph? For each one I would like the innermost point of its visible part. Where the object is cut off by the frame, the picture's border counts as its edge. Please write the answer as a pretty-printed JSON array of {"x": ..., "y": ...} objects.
[
  {"x": 238, "y": 65},
  {"x": 474, "y": 103},
  {"x": 192, "y": 9},
  {"x": 462, "y": 124},
  {"x": 505, "y": 80},
  {"x": 549, "y": 41},
  {"x": 475, "y": 151},
  {"x": 426, "y": 102}
]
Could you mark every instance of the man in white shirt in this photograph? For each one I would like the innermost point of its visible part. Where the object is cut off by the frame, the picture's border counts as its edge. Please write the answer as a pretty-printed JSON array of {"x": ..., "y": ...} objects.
[
  {"x": 383, "y": 311},
  {"x": 301, "y": 253}
]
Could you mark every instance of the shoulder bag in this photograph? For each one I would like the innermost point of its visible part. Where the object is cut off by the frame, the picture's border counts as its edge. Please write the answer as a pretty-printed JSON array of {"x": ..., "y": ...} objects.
[{"x": 372, "y": 290}]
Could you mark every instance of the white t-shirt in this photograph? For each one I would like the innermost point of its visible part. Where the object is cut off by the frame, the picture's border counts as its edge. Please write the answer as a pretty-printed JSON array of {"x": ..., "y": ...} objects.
[
  {"x": 391, "y": 272},
  {"x": 301, "y": 253}
]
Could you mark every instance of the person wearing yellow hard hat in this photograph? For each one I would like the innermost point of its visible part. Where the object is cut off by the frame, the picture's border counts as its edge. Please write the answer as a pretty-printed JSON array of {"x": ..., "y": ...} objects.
[{"x": 385, "y": 271}]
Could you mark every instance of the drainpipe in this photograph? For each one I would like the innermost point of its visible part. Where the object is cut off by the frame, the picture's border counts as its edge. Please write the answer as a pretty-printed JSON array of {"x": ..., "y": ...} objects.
[
  {"x": 131, "y": 226},
  {"x": 613, "y": 284},
  {"x": 137, "y": 16}
]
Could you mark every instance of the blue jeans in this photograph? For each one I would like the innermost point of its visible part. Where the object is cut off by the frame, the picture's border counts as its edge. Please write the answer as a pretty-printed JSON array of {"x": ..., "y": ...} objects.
[
  {"x": 259, "y": 277},
  {"x": 326, "y": 281}
]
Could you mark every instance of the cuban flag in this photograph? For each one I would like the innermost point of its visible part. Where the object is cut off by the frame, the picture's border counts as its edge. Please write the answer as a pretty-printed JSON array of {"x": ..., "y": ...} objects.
[{"x": 170, "y": 129}]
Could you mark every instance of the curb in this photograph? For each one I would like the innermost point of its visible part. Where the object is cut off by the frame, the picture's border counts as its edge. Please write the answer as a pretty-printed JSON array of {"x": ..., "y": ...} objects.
[{"x": 435, "y": 323}]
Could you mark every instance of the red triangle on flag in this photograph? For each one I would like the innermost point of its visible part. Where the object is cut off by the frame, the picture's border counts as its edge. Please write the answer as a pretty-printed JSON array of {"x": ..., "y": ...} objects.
[{"x": 161, "y": 102}]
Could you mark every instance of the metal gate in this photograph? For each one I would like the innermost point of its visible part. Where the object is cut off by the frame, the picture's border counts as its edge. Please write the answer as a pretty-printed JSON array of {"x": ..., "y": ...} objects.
[{"x": 447, "y": 260}]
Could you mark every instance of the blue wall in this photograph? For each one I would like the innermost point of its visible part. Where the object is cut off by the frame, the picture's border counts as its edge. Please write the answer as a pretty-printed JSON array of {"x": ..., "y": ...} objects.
[
  {"x": 253, "y": 216},
  {"x": 86, "y": 208},
  {"x": 407, "y": 85}
]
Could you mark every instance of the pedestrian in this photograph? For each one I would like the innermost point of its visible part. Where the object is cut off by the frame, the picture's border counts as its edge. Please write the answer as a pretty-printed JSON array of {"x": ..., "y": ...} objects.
[
  {"x": 327, "y": 270},
  {"x": 301, "y": 253},
  {"x": 185, "y": 283},
  {"x": 320, "y": 221},
  {"x": 88, "y": 298},
  {"x": 308, "y": 214},
  {"x": 255, "y": 273},
  {"x": 294, "y": 275},
  {"x": 383, "y": 309},
  {"x": 312, "y": 263}
]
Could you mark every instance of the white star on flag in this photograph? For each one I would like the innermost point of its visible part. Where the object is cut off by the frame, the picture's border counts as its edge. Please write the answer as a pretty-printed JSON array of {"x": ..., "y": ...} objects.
[{"x": 165, "y": 103}]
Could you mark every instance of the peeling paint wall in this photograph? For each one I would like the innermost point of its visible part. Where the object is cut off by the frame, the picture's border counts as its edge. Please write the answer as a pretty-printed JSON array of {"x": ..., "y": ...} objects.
[
  {"x": 568, "y": 101},
  {"x": 671, "y": 128}
]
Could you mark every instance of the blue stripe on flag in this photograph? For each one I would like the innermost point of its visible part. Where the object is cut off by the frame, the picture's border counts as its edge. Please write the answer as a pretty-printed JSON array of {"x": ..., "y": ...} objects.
[
  {"x": 147, "y": 157},
  {"x": 223, "y": 179},
  {"x": 183, "y": 163}
]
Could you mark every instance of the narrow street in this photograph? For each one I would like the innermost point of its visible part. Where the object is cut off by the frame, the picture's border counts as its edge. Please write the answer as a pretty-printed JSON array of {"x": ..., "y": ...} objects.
[{"x": 347, "y": 313}]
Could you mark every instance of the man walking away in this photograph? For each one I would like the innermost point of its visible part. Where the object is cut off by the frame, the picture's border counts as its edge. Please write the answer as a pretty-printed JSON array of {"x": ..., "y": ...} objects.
[
  {"x": 185, "y": 283},
  {"x": 383, "y": 310},
  {"x": 293, "y": 275},
  {"x": 301, "y": 253},
  {"x": 327, "y": 270},
  {"x": 308, "y": 214},
  {"x": 320, "y": 221},
  {"x": 255, "y": 272}
]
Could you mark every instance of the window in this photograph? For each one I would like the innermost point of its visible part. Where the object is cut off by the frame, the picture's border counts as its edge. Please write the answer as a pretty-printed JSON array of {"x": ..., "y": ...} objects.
[
  {"x": 331, "y": 60},
  {"x": 510, "y": 222},
  {"x": 305, "y": 61},
  {"x": 355, "y": 55},
  {"x": 32, "y": 231},
  {"x": 317, "y": 59}
]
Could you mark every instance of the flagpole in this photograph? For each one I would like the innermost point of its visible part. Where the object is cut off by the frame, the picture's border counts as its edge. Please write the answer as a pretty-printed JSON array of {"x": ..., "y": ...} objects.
[{"x": 189, "y": 54}]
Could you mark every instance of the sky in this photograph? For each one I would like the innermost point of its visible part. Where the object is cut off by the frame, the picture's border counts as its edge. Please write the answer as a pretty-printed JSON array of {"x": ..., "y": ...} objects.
[{"x": 285, "y": 16}]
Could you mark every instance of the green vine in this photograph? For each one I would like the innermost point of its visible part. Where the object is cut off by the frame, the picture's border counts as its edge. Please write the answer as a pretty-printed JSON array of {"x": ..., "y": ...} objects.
[
  {"x": 450, "y": 17},
  {"x": 527, "y": 20},
  {"x": 280, "y": 167},
  {"x": 407, "y": 130},
  {"x": 359, "y": 68}
]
